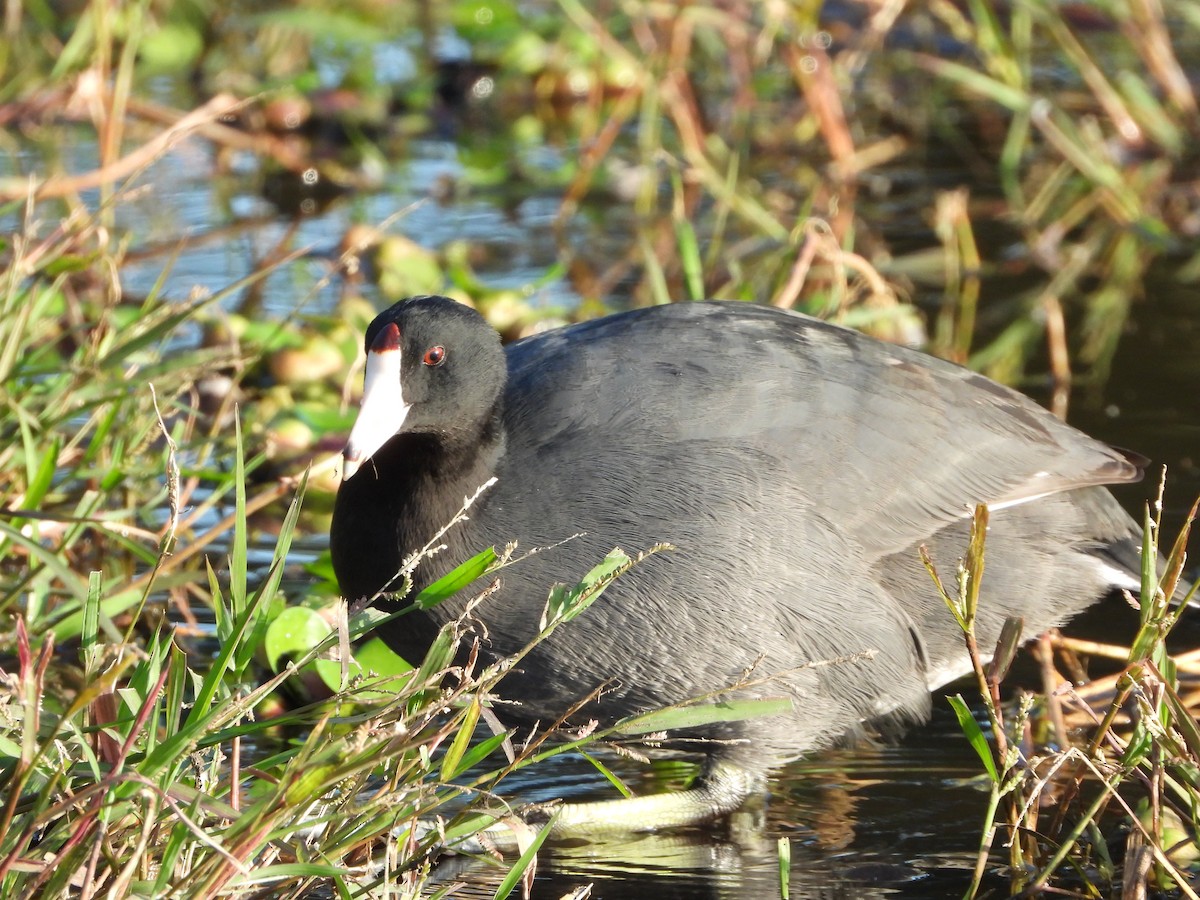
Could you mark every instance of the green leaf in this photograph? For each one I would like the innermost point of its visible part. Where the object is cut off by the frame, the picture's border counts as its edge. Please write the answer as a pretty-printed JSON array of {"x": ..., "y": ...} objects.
[
  {"x": 267, "y": 591},
  {"x": 175, "y": 844},
  {"x": 437, "y": 658},
  {"x": 367, "y": 619},
  {"x": 41, "y": 477},
  {"x": 239, "y": 553},
  {"x": 689, "y": 247},
  {"x": 202, "y": 707},
  {"x": 293, "y": 633},
  {"x": 172, "y": 47},
  {"x": 325, "y": 418},
  {"x": 47, "y": 557},
  {"x": 564, "y": 603},
  {"x": 608, "y": 773},
  {"x": 974, "y": 562},
  {"x": 518, "y": 870},
  {"x": 482, "y": 751},
  {"x": 70, "y": 262},
  {"x": 270, "y": 875},
  {"x": 704, "y": 714},
  {"x": 373, "y": 656},
  {"x": 69, "y": 626},
  {"x": 153, "y": 327},
  {"x": 176, "y": 687},
  {"x": 455, "y": 580},
  {"x": 462, "y": 738},
  {"x": 1139, "y": 745},
  {"x": 469, "y": 825},
  {"x": 90, "y": 633},
  {"x": 376, "y": 656},
  {"x": 974, "y": 735},
  {"x": 784, "y": 846},
  {"x": 322, "y": 567},
  {"x": 972, "y": 80}
]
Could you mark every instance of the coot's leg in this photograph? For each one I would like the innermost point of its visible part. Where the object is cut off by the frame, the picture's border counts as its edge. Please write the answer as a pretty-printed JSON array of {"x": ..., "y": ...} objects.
[{"x": 722, "y": 788}]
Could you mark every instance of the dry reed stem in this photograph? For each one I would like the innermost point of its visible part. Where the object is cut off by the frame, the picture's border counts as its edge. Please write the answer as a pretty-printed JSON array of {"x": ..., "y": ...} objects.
[{"x": 159, "y": 145}]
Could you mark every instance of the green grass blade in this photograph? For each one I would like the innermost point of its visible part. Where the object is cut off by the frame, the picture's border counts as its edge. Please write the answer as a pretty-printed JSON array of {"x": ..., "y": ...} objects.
[
  {"x": 526, "y": 859},
  {"x": 90, "y": 632},
  {"x": 457, "y": 579},
  {"x": 704, "y": 714},
  {"x": 451, "y": 762},
  {"x": 974, "y": 734},
  {"x": 608, "y": 773},
  {"x": 239, "y": 552},
  {"x": 176, "y": 688},
  {"x": 480, "y": 752}
]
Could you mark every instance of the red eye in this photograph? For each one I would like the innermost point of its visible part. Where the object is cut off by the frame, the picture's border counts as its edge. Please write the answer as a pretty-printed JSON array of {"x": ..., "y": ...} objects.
[{"x": 434, "y": 356}]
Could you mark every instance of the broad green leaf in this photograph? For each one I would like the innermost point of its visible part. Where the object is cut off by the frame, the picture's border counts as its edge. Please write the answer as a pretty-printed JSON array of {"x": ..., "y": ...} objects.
[
  {"x": 373, "y": 657},
  {"x": 326, "y": 419},
  {"x": 293, "y": 633},
  {"x": 376, "y": 656},
  {"x": 176, "y": 687},
  {"x": 366, "y": 619},
  {"x": 784, "y": 846}
]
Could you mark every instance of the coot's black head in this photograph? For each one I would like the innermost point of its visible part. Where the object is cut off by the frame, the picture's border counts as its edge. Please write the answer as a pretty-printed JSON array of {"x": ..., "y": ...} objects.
[{"x": 435, "y": 367}]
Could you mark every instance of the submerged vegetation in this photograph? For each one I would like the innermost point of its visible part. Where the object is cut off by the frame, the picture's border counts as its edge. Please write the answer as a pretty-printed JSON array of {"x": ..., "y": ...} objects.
[{"x": 992, "y": 184}]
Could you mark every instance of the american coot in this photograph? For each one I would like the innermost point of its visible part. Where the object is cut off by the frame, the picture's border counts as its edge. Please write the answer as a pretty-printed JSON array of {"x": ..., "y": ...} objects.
[{"x": 795, "y": 465}]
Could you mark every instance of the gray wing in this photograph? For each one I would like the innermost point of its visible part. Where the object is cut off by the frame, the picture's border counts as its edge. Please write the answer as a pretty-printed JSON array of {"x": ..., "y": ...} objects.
[{"x": 894, "y": 443}]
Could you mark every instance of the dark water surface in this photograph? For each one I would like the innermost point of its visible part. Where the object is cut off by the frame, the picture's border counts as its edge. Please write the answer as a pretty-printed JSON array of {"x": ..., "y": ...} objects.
[{"x": 900, "y": 820}]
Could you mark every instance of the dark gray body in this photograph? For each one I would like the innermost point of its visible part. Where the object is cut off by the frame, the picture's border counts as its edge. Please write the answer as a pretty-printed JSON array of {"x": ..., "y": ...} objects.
[{"x": 796, "y": 466}]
